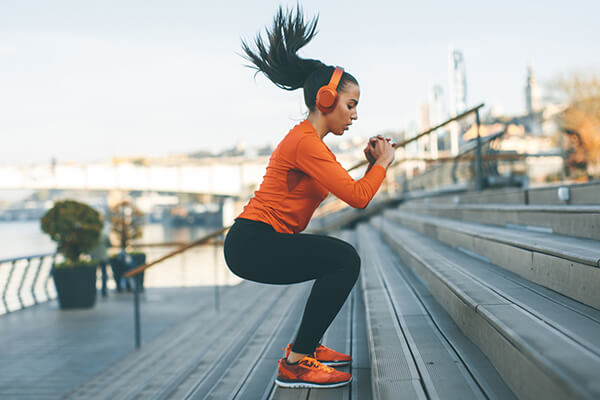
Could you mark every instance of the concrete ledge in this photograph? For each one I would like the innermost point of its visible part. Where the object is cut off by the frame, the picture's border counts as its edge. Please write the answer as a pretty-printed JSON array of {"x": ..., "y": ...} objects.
[
  {"x": 536, "y": 360},
  {"x": 580, "y": 194},
  {"x": 575, "y": 221},
  {"x": 566, "y": 265}
]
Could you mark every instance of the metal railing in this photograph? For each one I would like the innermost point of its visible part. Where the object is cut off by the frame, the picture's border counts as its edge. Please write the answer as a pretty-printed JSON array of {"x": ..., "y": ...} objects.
[
  {"x": 479, "y": 163},
  {"x": 337, "y": 205},
  {"x": 25, "y": 281},
  {"x": 479, "y": 178},
  {"x": 472, "y": 166},
  {"x": 136, "y": 273}
]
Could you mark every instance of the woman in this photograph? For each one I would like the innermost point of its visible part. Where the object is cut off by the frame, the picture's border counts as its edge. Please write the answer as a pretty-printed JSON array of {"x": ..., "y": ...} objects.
[{"x": 265, "y": 244}]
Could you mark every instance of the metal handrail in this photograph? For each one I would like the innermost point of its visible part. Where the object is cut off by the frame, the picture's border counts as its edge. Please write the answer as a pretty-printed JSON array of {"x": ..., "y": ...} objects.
[
  {"x": 197, "y": 242},
  {"x": 425, "y": 133},
  {"x": 487, "y": 157},
  {"x": 7, "y": 260},
  {"x": 138, "y": 278},
  {"x": 417, "y": 137}
]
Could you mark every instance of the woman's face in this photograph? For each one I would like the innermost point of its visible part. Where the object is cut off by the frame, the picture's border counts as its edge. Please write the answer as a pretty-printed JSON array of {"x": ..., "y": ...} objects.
[{"x": 340, "y": 119}]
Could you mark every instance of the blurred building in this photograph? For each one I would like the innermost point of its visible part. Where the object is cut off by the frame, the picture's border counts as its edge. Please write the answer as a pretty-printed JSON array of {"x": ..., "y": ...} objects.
[
  {"x": 437, "y": 115},
  {"x": 457, "y": 93},
  {"x": 532, "y": 96},
  {"x": 457, "y": 82}
]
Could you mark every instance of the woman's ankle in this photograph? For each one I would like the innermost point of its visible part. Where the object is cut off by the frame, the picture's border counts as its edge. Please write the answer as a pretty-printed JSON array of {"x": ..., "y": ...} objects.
[{"x": 293, "y": 358}]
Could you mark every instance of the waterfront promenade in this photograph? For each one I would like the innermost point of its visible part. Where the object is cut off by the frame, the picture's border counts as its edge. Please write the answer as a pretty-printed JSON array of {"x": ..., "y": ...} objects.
[{"x": 47, "y": 353}]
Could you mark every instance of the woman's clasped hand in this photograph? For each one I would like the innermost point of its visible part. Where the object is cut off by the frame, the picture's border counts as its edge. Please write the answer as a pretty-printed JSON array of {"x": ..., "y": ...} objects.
[{"x": 379, "y": 150}]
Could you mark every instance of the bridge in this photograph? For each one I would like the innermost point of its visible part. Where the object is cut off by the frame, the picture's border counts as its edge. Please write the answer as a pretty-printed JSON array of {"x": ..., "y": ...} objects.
[{"x": 223, "y": 176}]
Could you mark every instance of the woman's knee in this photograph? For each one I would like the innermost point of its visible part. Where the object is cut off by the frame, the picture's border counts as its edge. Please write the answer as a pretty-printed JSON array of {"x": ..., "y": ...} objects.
[{"x": 353, "y": 262}]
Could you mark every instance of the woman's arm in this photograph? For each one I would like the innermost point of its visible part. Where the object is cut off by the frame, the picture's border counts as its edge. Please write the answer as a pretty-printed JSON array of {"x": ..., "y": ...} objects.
[{"x": 315, "y": 159}]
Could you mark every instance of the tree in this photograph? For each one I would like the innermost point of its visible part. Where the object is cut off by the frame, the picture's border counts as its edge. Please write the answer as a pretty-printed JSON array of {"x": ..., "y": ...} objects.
[
  {"x": 580, "y": 122},
  {"x": 126, "y": 222}
]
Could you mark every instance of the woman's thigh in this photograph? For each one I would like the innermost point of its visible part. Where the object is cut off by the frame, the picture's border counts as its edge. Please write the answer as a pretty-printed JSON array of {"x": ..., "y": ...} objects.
[{"x": 260, "y": 254}]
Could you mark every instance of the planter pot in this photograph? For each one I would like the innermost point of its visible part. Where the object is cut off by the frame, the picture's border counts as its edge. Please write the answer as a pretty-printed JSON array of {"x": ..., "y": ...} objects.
[
  {"x": 75, "y": 286},
  {"x": 119, "y": 268}
]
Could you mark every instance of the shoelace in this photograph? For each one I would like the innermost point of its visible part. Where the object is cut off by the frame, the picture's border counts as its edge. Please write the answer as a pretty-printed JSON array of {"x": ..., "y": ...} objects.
[{"x": 311, "y": 362}]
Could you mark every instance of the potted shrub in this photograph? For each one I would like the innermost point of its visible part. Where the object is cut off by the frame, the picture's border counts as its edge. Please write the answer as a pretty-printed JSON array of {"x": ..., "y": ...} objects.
[
  {"x": 126, "y": 223},
  {"x": 76, "y": 228}
]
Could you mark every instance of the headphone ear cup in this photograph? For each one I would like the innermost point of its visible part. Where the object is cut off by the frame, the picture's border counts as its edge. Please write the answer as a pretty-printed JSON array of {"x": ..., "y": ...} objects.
[{"x": 326, "y": 99}]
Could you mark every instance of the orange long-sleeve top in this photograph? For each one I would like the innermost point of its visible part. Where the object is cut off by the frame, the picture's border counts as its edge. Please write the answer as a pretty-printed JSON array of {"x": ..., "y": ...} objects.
[{"x": 300, "y": 174}]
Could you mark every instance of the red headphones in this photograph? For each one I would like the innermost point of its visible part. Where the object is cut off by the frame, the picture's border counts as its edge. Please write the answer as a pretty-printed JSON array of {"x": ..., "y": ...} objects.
[{"x": 327, "y": 95}]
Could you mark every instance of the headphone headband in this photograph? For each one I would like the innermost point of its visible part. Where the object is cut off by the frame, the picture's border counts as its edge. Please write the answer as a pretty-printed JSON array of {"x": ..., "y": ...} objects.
[{"x": 335, "y": 78}]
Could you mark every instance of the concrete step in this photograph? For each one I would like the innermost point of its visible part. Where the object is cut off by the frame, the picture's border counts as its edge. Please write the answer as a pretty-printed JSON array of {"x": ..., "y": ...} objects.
[
  {"x": 248, "y": 369},
  {"x": 348, "y": 334},
  {"x": 417, "y": 352},
  {"x": 578, "y": 194},
  {"x": 339, "y": 337},
  {"x": 576, "y": 221},
  {"x": 567, "y": 265},
  {"x": 542, "y": 346}
]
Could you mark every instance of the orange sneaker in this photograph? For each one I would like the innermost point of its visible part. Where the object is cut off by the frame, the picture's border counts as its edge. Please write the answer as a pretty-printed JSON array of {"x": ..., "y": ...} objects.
[
  {"x": 326, "y": 356},
  {"x": 309, "y": 373}
]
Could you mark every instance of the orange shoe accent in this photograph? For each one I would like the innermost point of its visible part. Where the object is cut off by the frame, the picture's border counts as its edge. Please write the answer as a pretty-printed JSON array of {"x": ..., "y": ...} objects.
[
  {"x": 326, "y": 356},
  {"x": 309, "y": 373}
]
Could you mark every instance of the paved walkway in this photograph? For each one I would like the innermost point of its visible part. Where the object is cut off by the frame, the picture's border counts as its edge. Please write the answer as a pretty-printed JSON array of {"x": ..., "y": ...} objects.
[{"x": 47, "y": 352}]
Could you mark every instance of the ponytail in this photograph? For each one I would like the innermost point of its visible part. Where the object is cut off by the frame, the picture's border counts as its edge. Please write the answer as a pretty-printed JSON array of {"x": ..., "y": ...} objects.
[{"x": 280, "y": 63}]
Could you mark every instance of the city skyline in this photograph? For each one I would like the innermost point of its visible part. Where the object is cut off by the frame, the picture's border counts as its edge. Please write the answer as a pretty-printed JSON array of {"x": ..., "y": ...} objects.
[{"x": 86, "y": 83}]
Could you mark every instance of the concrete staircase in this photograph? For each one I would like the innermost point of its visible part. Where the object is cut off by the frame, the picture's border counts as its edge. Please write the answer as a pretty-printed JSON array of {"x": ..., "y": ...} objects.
[
  {"x": 458, "y": 298},
  {"x": 517, "y": 284}
]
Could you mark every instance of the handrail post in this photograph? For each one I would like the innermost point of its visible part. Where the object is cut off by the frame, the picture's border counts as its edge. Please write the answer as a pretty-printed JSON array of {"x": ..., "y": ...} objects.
[
  {"x": 35, "y": 278},
  {"x": 48, "y": 277},
  {"x": 136, "y": 309},
  {"x": 12, "y": 268},
  {"x": 20, "y": 289},
  {"x": 478, "y": 166},
  {"x": 216, "y": 270}
]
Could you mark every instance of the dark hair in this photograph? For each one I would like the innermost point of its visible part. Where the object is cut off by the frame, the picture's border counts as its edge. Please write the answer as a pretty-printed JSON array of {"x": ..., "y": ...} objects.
[{"x": 280, "y": 63}]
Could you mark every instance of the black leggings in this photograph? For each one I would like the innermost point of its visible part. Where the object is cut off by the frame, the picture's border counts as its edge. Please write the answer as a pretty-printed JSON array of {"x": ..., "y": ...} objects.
[{"x": 255, "y": 251}]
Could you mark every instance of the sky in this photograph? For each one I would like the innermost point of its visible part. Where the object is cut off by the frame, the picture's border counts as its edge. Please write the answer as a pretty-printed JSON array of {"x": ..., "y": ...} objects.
[{"x": 84, "y": 81}]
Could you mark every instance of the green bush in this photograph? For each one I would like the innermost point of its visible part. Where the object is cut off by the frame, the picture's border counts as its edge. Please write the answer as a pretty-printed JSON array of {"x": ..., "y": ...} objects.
[{"x": 75, "y": 227}]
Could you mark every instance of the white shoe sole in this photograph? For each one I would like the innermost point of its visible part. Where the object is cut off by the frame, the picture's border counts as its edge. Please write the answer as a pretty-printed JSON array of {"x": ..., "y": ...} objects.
[
  {"x": 300, "y": 384},
  {"x": 336, "y": 363}
]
